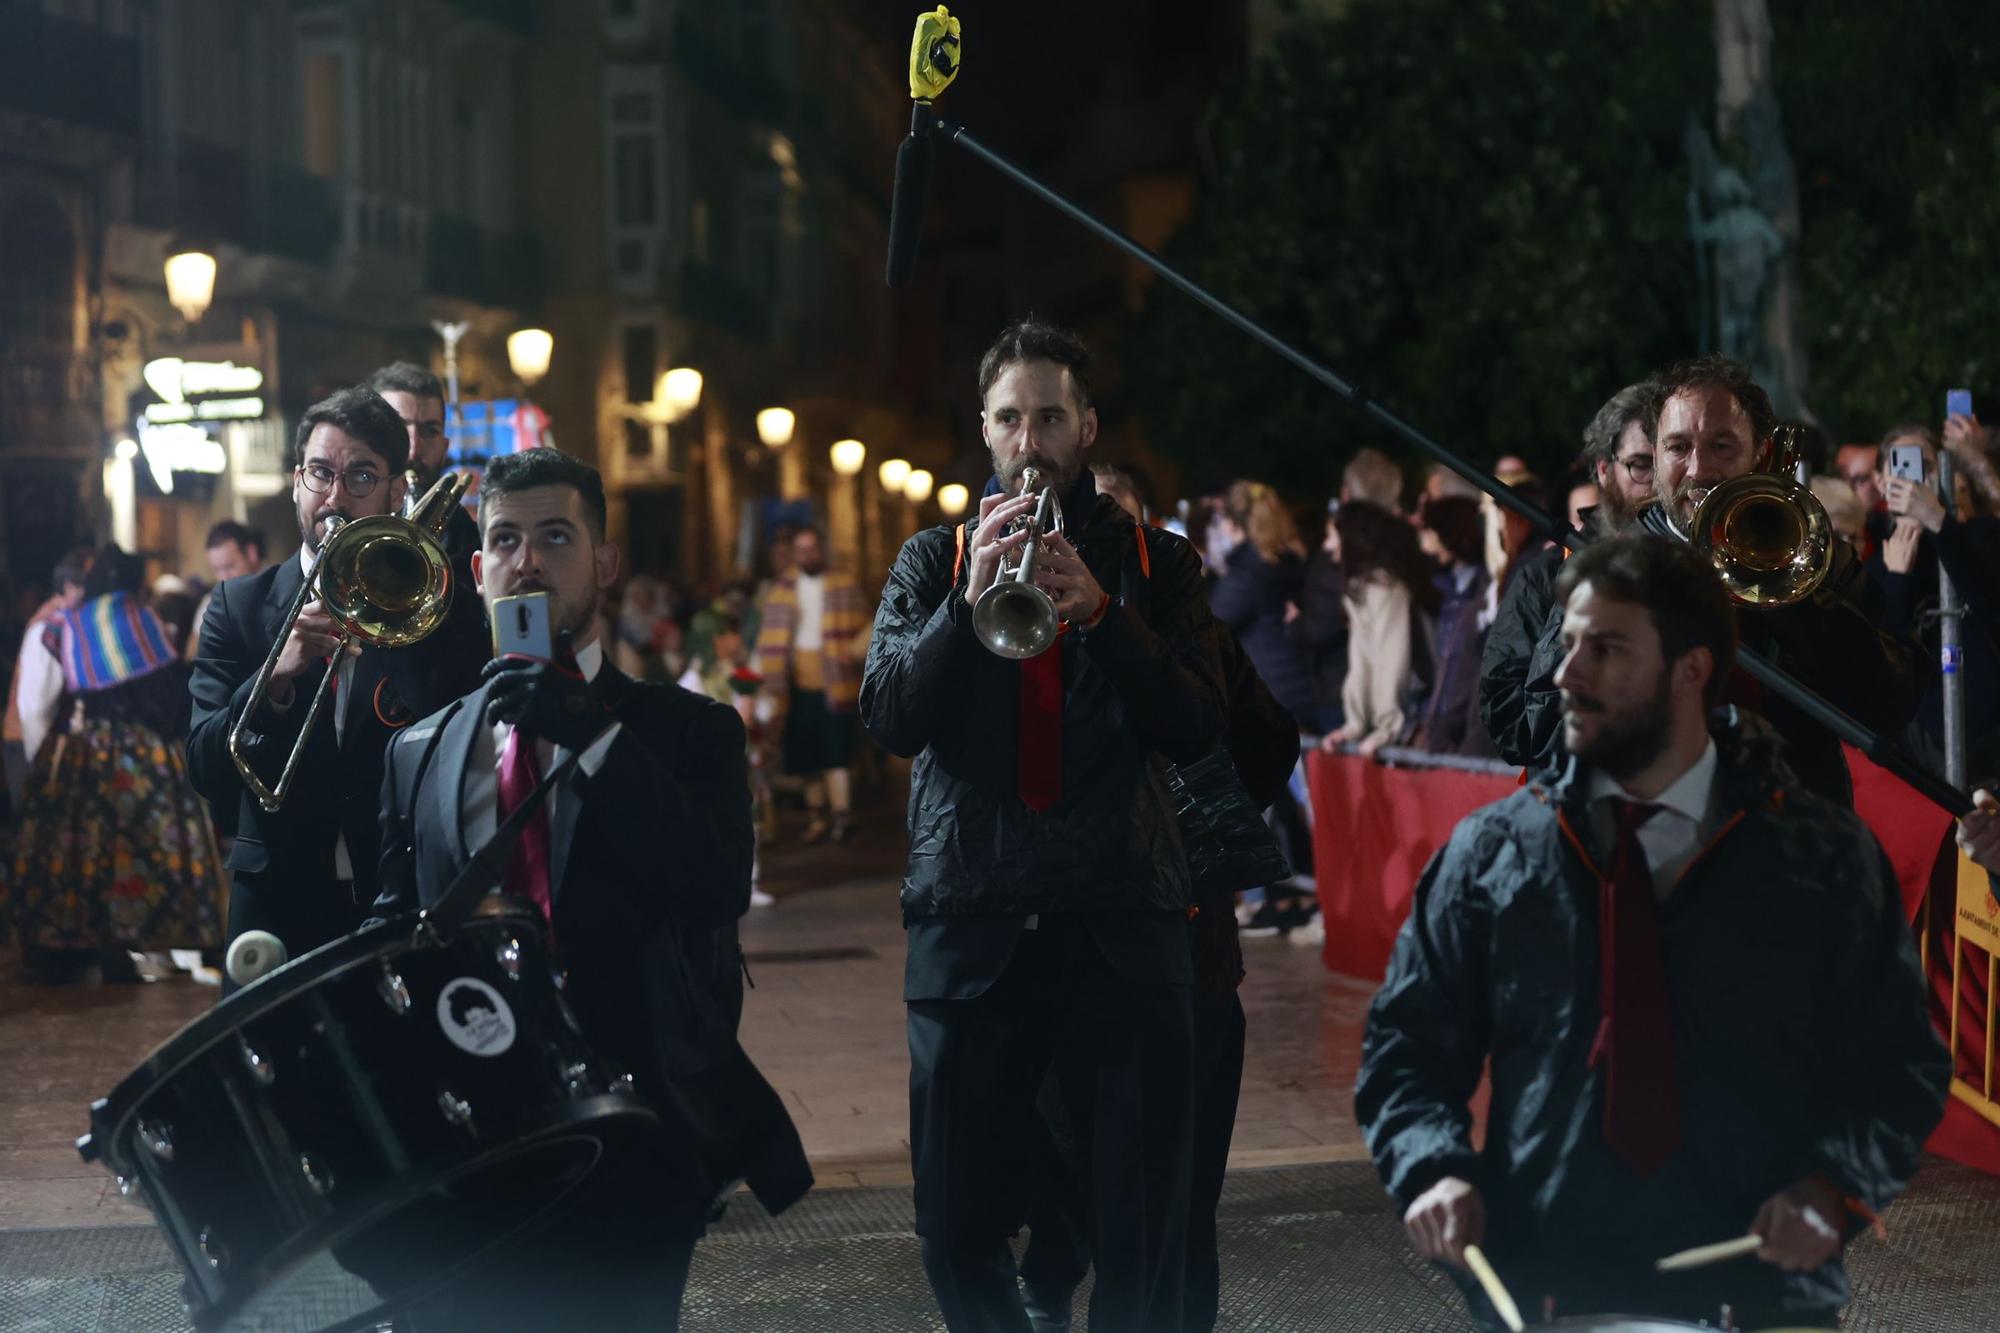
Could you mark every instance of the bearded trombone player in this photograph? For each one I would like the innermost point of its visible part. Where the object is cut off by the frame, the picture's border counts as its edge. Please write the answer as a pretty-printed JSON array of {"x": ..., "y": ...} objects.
[{"x": 1046, "y": 893}]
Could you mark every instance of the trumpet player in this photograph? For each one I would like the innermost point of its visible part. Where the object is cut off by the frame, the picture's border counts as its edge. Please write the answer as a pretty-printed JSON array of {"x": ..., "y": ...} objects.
[
  {"x": 1046, "y": 891},
  {"x": 306, "y": 871}
]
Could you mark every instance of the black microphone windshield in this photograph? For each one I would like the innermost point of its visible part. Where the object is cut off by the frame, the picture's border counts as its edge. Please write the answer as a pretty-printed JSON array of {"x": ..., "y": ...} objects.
[{"x": 906, "y": 205}]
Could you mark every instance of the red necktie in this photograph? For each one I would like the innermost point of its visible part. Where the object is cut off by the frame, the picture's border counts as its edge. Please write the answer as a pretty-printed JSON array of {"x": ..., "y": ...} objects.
[
  {"x": 1642, "y": 1122},
  {"x": 528, "y": 870},
  {"x": 1038, "y": 774}
]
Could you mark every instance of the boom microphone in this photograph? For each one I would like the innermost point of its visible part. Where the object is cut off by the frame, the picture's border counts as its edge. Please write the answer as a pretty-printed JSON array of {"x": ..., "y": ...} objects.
[{"x": 913, "y": 187}]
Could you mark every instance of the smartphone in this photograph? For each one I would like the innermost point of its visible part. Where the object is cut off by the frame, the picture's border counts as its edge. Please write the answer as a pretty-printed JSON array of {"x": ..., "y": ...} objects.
[
  {"x": 1957, "y": 403},
  {"x": 1907, "y": 460},
  {"x": 521, "y": 627}
]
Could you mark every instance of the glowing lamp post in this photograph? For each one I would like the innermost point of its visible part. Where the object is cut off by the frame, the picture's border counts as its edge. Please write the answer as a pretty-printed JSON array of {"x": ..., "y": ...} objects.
[
  {"x": 679, "y": 392},
  {"x": 775, "y": 426},
  {"x": 953, "y": 498},
  {"x": 917, "y": 487},
  {"x": 191, "y": 282},
  {"x": 528, "y": 353},
  {"x": 893, "y": 473}
]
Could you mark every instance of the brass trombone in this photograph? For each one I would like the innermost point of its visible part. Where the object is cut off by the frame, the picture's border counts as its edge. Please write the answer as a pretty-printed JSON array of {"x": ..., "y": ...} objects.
[
  {"x": 1014, "y": 618},
  {"x": 1767, "y": 536},
  {"x": 386, "y": 581}
]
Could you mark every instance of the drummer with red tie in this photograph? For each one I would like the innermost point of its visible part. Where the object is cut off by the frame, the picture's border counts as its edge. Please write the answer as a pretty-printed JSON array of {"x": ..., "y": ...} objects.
[
  {"x": 1692, "y": 979},
  {"x": 640, "y": 862}
]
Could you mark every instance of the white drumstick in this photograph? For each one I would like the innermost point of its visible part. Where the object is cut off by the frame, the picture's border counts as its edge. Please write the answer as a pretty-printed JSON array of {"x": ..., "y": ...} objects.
[
  {"x": 1489, "y": 1282},
  {"x": 1702, "y": 1255},
  {"x": 253, "y": 954}
]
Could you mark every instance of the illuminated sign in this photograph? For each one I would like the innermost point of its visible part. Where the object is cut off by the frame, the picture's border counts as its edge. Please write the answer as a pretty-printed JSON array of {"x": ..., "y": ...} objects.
[
  {"x": 208, "y": 409},
  {"x": 179, "y": 448},
  {"x": 176, "y": 381}
]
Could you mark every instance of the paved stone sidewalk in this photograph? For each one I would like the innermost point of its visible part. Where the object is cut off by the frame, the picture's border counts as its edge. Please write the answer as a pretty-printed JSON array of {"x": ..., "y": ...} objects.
[{"x": 1304, "y": 1248}]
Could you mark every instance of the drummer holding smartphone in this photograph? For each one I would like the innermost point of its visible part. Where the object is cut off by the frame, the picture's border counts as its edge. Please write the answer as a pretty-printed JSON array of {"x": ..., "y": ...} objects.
[
  {"x": 1691, "y": 977},
  {"x": 640, "y": 862}
]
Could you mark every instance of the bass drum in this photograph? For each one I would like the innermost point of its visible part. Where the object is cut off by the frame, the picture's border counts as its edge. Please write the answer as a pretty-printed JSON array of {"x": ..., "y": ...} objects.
[{"x": 393, "y": 1104}]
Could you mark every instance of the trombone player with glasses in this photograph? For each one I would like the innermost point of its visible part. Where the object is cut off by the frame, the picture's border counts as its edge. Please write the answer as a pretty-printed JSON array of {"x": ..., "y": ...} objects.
[{"x": 305, "y": 717}]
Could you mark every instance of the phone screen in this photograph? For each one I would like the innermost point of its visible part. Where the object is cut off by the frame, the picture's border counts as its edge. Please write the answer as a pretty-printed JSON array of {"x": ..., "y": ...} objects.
[
  {"x": 521, "y": 627},
  {"x": 1958, "y": 403}
]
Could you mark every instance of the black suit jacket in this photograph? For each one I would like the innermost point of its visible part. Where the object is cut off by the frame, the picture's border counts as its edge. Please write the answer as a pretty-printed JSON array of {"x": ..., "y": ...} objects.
[
  {"x": 338, "y": 789},
  {"x": 650, "y": 848}
]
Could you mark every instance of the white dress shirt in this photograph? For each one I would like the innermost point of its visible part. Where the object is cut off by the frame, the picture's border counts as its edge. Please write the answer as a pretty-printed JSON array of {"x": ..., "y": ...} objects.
[
  {"x": 1675, "y": 835},
  {"x": 481, "y": 798},
  {"x": 39, "y": 690},
  {"x": 810, "y": 636}
]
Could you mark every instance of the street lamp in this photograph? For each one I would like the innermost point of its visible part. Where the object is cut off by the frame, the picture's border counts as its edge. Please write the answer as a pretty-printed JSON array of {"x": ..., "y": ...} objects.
[
  {"x": 679, "y": 392},
  {"x": 917, "y": 487},
  {"x": 893, "y": 473},
  {"x": 775, "y": 426},
  {"x": 847, "y": 456},
  {"x": 953, "y": 498},
  {"x": 190, "y": 282},
  {"x": 528, "y": 352}
]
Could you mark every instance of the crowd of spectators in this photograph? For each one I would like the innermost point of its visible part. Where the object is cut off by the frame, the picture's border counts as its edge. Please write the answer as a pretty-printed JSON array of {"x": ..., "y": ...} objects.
[{"x": 1424, "y": 622}]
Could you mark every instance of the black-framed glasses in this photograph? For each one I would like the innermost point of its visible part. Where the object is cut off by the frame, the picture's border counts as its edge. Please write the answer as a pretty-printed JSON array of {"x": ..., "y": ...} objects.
[
  {"x": 1639, "y": 467},
  {"x": 356, "y": 481}
]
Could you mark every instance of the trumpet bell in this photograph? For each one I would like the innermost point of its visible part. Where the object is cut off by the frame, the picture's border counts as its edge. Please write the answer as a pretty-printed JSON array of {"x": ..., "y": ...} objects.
[
  {"x": 1767, "y": 536},
  {"x": 386, "y": 580},
  {"x": 1016, "y": 620}
]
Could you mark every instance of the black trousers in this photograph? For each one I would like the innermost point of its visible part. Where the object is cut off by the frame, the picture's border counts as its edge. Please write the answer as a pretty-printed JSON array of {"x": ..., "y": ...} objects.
[
  {"x": 1122, "y": 1052},
  {"x": 1058, "y": 1216}
]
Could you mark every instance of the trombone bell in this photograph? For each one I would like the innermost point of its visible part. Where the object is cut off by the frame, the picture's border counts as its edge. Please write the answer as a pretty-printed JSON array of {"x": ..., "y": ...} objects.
[{"x": 1767, "y": 536}]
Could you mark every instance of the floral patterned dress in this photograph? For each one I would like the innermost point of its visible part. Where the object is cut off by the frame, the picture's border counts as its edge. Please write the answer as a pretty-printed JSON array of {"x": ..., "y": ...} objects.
[{"x": 112, "y": 846}]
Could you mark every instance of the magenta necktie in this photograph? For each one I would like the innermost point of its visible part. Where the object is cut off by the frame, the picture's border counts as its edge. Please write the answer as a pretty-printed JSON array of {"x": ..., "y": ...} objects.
[
  {"x": 528, "y": 870},
  {"x": 1642, "y": 1121}
]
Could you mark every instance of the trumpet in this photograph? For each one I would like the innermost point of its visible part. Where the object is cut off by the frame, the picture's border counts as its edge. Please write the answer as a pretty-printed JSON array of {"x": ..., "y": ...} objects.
[
  {"x": 386, "y": 581},
  {"x": 1014, "y": 618},
  {"x": 1767, "y": 536}
]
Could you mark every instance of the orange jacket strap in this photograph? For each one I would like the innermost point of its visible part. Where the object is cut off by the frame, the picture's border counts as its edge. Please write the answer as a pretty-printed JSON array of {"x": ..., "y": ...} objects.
[
  {"x": 1145, "y": 559},
  {"x": 958, "y": 556}
]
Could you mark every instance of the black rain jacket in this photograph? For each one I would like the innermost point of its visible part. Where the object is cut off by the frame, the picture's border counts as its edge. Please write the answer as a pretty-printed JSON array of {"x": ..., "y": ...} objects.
[
  {"x": 1803, "y": 1044},
  {"x": 1141, "y": 689}
]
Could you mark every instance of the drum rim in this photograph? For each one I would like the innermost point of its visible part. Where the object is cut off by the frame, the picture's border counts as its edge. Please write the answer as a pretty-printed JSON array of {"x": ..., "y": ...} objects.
[
  {"x": 623, "y": 1115},
  {"x": 113, "y": 1118}
]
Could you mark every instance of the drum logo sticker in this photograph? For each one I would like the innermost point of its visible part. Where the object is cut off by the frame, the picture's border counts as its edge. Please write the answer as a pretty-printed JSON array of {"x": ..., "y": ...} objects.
[{"x": 474, "y": 1017}]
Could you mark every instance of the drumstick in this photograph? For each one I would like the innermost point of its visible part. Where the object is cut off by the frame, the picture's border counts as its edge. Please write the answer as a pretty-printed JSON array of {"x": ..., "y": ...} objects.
[
  {"x": 1703, "y": 1255},
  {"x": 1489, "y": 1282}
]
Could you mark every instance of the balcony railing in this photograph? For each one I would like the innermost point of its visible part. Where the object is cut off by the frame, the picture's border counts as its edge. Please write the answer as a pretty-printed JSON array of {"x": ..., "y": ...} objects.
[{"x": 68, "y": 71}]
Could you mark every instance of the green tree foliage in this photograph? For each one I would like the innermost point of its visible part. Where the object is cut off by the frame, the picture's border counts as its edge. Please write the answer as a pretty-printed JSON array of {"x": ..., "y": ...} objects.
[
  {"x": 1893, "y": 116},
  {"x": 1477, "y": 212}
]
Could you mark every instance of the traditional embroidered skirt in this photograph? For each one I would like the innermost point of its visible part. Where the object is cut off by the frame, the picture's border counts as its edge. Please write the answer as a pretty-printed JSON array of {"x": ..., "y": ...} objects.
[{"x": 112, "y": 847}]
